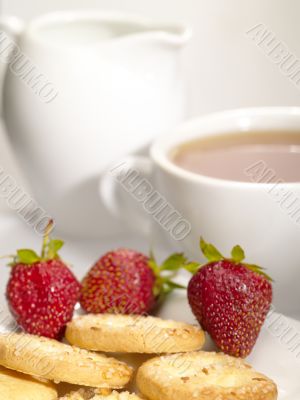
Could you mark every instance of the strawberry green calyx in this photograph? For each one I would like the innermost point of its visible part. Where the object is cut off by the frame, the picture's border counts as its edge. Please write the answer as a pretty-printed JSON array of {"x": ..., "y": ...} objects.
[
  {"x": 50, "y": 249},
  {"x": 237, "y": 256},
  {"x": 165, "y": 273},
  {"x": 210, "y": 251}
]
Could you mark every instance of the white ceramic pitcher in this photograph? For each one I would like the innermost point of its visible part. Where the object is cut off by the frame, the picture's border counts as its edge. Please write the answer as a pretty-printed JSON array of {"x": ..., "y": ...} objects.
[{"x": 81, "y": 90}]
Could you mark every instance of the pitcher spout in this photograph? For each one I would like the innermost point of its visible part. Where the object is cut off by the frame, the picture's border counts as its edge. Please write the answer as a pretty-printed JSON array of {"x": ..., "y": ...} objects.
[{"x": 176, "y": 35}]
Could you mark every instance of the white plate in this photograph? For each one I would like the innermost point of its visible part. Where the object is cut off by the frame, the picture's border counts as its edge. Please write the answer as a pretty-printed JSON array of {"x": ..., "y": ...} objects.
[{"x": 277, "y": 353}]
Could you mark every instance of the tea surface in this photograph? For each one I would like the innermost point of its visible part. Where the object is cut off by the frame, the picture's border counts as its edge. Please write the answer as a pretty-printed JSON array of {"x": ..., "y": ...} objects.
[{"x": 230, "y": 156}]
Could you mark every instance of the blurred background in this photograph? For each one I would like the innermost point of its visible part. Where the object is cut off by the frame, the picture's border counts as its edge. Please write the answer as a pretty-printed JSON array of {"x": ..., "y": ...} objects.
[{"x": 223, "y": 68}]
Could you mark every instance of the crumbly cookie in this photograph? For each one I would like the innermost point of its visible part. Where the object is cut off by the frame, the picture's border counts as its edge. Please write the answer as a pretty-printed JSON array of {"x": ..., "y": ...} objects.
[
  {"x": 205, "y": 376},
  {"x": 83, "y": 395},
  {"x": 133, "y": 334},
  {"x": 60, "y": 362},
  {"x": 86, "y": 394},
  {"x": 16, "y": 386}
]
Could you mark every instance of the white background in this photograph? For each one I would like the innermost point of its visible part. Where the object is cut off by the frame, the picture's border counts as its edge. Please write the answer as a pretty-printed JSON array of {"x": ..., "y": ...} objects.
[{"x": 223, "y": 68}]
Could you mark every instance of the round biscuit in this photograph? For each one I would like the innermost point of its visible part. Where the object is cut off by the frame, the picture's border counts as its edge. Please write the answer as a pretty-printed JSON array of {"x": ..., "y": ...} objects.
[
  {"x": 60, "y": 362},
  {"x": 133, "y": 334},
  {"x": 205, "y": 376},
  {"x": 16, "y": 386}
]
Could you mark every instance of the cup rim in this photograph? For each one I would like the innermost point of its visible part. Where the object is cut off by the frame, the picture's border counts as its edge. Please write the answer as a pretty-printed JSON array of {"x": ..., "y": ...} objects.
[{"x": 270, "y": 119}]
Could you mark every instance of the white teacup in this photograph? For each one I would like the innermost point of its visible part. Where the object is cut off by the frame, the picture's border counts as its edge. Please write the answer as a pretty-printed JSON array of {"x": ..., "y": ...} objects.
[{"x": 225, "y": 213}]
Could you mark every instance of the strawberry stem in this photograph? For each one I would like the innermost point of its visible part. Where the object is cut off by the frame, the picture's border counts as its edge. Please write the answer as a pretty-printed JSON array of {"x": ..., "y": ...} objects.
[{"x": 45, "y": 243}]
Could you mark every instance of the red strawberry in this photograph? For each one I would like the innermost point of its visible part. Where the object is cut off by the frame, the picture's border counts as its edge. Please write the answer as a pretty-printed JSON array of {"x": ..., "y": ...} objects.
[
  {"x": 42, "y": 291},
  {"x": 127, "y": 282},
  {"x": 230, "y": 299}
]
